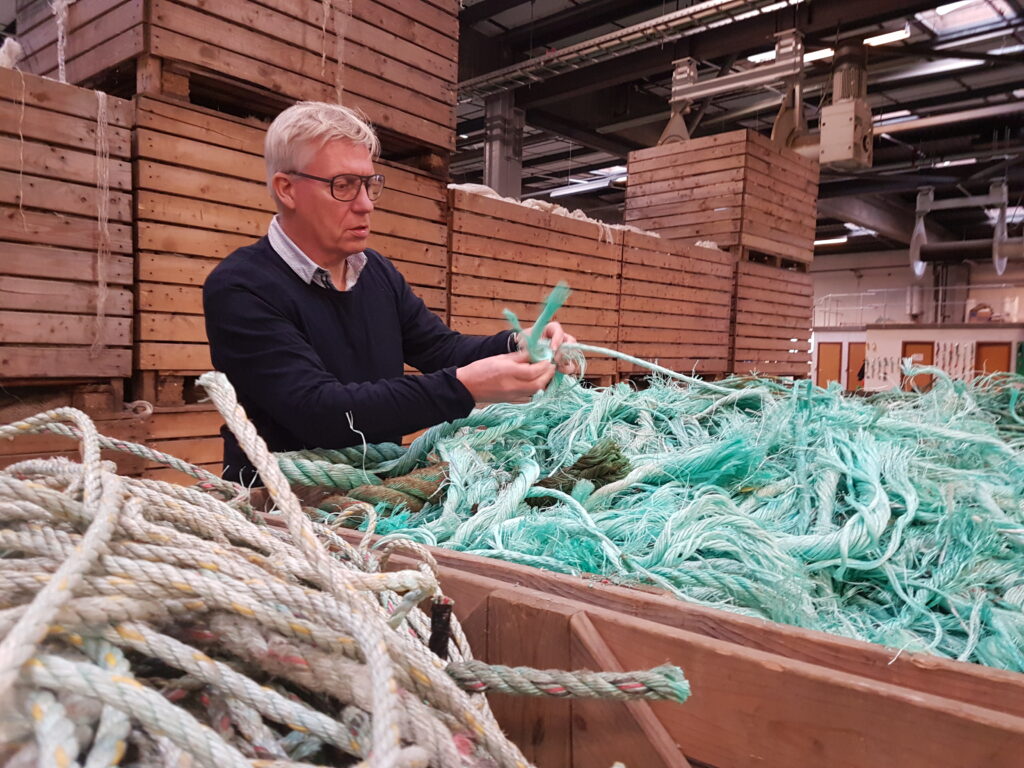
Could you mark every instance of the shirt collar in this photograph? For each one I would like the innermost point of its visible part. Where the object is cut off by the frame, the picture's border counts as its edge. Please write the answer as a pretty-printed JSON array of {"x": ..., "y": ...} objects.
[{"x": 308, "y": 270}]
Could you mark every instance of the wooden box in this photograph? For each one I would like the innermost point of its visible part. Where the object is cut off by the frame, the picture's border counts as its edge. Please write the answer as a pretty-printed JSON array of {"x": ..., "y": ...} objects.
[
  {"x": 505, "y": 255},
  {"x": 773, "y": 320},
  {"x": 399, "y": 57},
  {"x": 201, "y": 193},
  {"x": 763, "y": 694},
  {"x": 737, "y": 189},
  {"x": 65, "y": 301},
  {"x": 675, "y": 305}
]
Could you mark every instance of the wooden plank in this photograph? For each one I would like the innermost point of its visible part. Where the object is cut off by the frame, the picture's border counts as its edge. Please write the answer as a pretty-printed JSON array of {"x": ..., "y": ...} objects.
[
  {"x": 36, "y": 91},
  {"x": 66, "y": 330},
  {"x": 541, "y": 728},
  {"x": 165, "y": 425},
  {"x": 44, "y": 125},
  {"x": 475, "y": 245},
  {"x": 681, "y": 158},
  {"x": 214, "y": 159},
  {"x": 30, "y": 294},
  {"x": 465, "y": 223},
  {"x": 514, "y": 212},
  {"x": 182, "y": 299},
  {"x": 171, "y": 357},
  {"x": 27, "y": 260},
  {"x": 647, "y": 744},
  {"x": 59, "y": 162},
  {"x": 58, "y": 196},
  {"x": 62, "y": 362},
  {"x": 744, "y": 306},
  {"x": 172, "y": 268},
  {"x": 37, "y": 227},
  {"x": 183, "y": 240},
  {"x": 197, "y": 214},
  {"x": 171, "y": 327},
  {"x": 201, "y": 184},
  {"x": 821, "y": 719},
  {"x": 484, "y": 267}
]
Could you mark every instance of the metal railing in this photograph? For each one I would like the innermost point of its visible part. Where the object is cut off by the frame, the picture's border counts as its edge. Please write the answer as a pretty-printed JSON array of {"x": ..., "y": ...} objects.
[{"x": 889, "y": 306}]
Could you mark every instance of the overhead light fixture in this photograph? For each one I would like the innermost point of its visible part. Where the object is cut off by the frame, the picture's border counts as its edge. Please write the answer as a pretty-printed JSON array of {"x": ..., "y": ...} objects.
[
  {"x": 761, "y": 58},
  {"x": 896, "y": 115},
  {"x": 463, "y": 135},
  {"x": 889, "y": 37},
  {"x": 942, "y": 10},
  {"x": 832, "y": 240},
  {"x": 856, "y": 230},
  {"x": 824, "y": 53},
  {"x": 954, "y": 163}
]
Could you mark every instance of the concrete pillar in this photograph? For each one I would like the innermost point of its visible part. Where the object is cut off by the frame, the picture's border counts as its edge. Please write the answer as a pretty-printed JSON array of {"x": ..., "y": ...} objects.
[{"x": 503, "y": 150}]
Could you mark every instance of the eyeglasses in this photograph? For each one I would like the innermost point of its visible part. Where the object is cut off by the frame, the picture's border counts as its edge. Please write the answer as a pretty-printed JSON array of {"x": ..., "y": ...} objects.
[{"x": 345, "y": 186}]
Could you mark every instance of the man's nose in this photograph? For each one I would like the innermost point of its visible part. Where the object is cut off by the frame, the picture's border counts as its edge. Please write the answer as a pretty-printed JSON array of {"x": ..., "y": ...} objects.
[{"x": 362, "y": 202}]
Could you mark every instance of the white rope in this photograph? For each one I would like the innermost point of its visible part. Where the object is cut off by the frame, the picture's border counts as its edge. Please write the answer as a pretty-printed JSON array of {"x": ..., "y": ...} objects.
[{"x": 59, "y": 8}]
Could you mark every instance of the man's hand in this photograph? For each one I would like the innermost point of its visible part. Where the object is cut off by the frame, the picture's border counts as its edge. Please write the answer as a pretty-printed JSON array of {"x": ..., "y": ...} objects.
[
  {"x": 556, "y": 337},
  {"x": 510, "y": 378}
]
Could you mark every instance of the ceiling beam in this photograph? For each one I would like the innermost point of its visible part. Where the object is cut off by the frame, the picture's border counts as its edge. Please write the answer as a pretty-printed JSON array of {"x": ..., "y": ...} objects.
[
  {"x": 571, "y": 22},
  {"x": 740, "y": 38},
  {"x": 885, "y": 215},
  {"x": 580, "y": 134},
  {"x": 485, "y": 9}
]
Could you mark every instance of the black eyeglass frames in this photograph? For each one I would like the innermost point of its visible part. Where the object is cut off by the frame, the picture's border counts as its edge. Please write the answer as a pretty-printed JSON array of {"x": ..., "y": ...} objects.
[{"x": 345, "y": 186}]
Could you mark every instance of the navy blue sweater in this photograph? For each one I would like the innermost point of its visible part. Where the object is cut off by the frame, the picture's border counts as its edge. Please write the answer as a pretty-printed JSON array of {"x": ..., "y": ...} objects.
[{"x": 304, "y": 359}]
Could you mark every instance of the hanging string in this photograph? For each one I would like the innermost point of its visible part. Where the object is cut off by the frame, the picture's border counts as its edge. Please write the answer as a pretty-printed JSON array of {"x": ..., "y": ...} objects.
[
  {"x": 60, "y": 13},
  {"x": 102, "y": 221},
  {"x": 342, "y": 16}
]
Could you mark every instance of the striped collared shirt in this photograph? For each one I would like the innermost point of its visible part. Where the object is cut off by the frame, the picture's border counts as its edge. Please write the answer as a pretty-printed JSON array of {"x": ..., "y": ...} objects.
[{"x": 307, "y": 269}]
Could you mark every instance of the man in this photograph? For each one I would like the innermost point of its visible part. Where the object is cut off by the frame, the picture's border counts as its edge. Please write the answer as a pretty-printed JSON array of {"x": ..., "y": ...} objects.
[{"x": 312, "y": 327}]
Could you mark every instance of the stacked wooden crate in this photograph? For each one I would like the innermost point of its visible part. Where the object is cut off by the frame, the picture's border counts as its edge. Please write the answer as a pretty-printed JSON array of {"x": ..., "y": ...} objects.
[
  {"x": 65, "y": 302},
  {"x": 675, "y": 304},
  {"x": 755, "y": 199},
  {"x": 772, "y": 329},
  {"x": 507, "y": 256},
  {"x": 398, "y": 57},
  {"x": 65, "y": 284}
]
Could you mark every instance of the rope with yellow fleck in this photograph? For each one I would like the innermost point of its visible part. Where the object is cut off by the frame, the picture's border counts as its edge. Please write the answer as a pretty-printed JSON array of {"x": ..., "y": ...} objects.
[{"x": 146, "y": 622}]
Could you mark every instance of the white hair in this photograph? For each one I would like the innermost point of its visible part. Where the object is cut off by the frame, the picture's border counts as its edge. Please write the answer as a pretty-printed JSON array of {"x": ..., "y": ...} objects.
[{"x": 303, "y": 129}]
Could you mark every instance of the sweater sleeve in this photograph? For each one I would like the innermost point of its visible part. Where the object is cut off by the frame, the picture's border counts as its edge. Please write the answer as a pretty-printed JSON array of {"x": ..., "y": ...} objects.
[
  {"x": 428, "y": 344},
  {"x": 272, "y": 364}
]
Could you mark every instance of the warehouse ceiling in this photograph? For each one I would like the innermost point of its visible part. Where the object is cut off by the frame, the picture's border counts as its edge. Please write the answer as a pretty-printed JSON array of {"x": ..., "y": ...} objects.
[{"x": 960, "y": 62}]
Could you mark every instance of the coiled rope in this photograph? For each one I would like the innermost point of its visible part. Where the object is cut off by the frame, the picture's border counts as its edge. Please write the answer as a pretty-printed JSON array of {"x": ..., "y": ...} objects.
[{"x": 145, "y": 622}]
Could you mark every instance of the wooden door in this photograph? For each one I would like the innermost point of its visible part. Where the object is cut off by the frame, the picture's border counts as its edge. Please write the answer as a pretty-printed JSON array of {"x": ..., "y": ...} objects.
[
  {"x": 830, "y": 363},
  {"x": 855, "y": 352},
  {"x": 922, "y": 353},
  {"x": 991, "y": 356}
]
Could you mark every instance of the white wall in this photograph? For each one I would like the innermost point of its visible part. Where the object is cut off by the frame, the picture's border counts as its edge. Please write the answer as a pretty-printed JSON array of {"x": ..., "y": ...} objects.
[{"x": 888, "y": 291}]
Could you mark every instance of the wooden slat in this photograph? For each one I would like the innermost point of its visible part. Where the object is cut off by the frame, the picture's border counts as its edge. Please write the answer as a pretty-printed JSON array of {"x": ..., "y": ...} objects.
[{"x": 23, "y": 362}]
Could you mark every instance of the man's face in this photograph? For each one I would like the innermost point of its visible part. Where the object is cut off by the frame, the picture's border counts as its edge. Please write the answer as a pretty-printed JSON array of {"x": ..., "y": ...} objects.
[{"x": 332, "y": 227}]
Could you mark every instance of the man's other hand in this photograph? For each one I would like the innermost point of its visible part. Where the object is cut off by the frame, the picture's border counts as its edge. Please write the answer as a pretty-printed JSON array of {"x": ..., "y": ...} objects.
[{"x": 510, "y": 378}]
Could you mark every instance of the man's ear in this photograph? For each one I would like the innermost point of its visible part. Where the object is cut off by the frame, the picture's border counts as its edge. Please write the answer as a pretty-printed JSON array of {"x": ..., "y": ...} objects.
[{"x": 284, "y": 188}]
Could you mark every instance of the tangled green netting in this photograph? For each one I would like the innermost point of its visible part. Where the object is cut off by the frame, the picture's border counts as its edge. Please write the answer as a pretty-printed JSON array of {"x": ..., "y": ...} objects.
[{"x": 896, "y": 518}]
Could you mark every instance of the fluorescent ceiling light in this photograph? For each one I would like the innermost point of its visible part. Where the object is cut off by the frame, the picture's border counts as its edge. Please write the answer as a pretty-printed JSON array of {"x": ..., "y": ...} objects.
[
  {"x": 1014, "y": 214},
  {"x": 1006, "y": 50},
  {"x": 856, "y": 230},
  {"x": 463, "y": 135},
  {"x": 761, "y": 58},
  {"x": 824, "y": 53},
  {"x": 942, "y": 10},
  {"x": 889, "y": 37},
  {"x": 885, "y": 116},
  {"x": 954, "y": 163},
  {"x": 832, "y": 240}
]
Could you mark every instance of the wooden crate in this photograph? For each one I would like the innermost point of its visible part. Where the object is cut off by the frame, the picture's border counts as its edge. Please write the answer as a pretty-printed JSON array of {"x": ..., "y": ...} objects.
[
  {"x": 201, "y": 194},
  {"x": 53, "y": 286},
  {"x": 505, "y": 255},
  {"x": 737, "y": 189},
  {"x": 189, "y": 432},
  {"x": 101, "y": 401},
  {"x": 763, "y": 694},
  {"x": 772, "y": 327},
  {"x": 675, "y": 305},
  {"x": 399, "y": 57}
]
